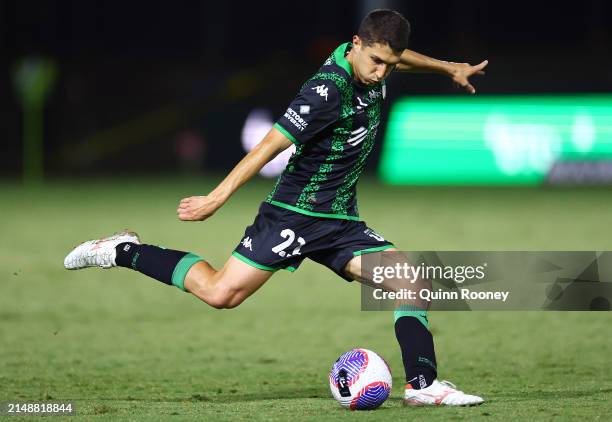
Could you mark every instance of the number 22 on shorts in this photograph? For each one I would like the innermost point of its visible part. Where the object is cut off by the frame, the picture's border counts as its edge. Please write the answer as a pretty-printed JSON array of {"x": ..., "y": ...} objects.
[{"x": 290, "y": 236}]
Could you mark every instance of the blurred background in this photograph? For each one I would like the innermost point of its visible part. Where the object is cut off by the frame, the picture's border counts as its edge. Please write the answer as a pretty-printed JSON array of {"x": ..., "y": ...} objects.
[{"x": 93, "y": 88}]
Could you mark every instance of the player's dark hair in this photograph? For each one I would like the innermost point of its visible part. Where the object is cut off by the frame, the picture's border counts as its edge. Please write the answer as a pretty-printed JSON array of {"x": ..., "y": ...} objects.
[{"x": 385, "y": 26}]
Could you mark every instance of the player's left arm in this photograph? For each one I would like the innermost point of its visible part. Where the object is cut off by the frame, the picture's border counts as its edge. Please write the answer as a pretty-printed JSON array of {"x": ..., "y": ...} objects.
[{"x": 460, "y": 73}]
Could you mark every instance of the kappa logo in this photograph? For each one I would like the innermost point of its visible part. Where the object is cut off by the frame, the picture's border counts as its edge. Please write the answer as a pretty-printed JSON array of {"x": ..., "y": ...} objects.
[
  {"x": 247, "y": 242},
  {"x": 321, "y": 90}
]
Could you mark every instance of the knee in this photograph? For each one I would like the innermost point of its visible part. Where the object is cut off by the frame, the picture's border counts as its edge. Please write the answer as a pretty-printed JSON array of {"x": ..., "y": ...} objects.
[
  {"x": 218, "y": 292},
  {"x": 225, "y": 299}
]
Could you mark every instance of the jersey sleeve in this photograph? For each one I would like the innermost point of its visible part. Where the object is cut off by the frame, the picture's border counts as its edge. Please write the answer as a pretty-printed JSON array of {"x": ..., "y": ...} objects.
[{"x": 316, "y": 107}]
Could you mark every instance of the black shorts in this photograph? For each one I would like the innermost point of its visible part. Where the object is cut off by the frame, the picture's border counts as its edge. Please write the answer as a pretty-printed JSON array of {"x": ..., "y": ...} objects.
[{"x": 281, "y": 239}]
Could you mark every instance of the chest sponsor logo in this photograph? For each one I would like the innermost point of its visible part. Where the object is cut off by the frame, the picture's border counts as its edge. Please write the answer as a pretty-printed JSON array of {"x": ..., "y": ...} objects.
[
  {"x": 321, "y": 90},
  {"x": 375, "y": 94},
  {"x": 296, "y": 119},
  {"x": 358, "y": 135}
]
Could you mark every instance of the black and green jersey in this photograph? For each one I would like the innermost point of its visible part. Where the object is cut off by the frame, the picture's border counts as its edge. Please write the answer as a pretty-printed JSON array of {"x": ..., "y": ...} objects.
[{"x": 333, "y": 123}]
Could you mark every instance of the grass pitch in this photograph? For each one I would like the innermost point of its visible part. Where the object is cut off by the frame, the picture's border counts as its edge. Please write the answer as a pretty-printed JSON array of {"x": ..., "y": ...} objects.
[{"x": 122, "y": 346}]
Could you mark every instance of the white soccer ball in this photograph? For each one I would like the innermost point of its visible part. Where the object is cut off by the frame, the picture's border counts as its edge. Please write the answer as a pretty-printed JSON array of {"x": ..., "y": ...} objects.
[{"x": 360, "y": 380}]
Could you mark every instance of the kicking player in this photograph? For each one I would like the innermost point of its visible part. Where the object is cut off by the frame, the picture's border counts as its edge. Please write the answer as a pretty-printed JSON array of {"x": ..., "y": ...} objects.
[{"x": 312, "y": 210}]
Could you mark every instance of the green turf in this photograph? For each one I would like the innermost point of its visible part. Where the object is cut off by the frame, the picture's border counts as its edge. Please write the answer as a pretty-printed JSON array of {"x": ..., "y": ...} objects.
[{"x": 122, "y": 346}]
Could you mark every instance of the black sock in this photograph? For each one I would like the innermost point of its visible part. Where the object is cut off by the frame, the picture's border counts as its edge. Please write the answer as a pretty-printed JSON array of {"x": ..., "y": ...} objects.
[
  {"x": 150, "y": 260},
  {"x": 418, "y": 353}
]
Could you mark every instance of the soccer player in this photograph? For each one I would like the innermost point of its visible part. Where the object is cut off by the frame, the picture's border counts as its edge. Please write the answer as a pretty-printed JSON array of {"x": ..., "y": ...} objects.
[{"x": 312, "y": 210}]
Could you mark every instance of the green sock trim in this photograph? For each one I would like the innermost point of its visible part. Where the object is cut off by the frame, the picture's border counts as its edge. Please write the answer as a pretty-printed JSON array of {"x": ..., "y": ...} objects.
[
  {"x": 412, "y": 311},
  {"x": 181, "y": 269}
]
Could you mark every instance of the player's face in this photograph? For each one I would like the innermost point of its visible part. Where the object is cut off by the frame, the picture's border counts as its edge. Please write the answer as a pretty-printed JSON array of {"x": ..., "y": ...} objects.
[{"x": 372, "y": 63}]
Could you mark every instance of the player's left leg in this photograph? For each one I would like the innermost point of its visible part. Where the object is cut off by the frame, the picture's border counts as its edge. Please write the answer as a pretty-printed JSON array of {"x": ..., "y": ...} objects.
[
  {"x": 252, "y": 263},
  {"x": 225, "y": 288},
  {"x": 415, "y": 340}
]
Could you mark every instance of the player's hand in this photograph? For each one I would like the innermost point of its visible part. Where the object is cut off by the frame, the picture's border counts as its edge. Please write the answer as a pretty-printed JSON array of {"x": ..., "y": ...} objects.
[
  {"x": 197, "y": 208},
  {"x": 461, "y": 73}
]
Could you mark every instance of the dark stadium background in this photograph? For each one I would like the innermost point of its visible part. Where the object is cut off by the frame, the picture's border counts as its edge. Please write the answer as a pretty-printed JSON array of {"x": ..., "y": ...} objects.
[{"x": 135, "y": 79}]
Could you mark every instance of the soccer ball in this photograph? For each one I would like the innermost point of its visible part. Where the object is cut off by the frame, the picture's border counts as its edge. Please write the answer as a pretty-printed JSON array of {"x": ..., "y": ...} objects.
[{"x": 360, "y": 380}]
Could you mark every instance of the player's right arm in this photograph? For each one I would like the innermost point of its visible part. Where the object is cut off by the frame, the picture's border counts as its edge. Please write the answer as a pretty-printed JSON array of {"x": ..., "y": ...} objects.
[
  {"x": 198, "y": 208},
  {"x": 315, "y": 108}
]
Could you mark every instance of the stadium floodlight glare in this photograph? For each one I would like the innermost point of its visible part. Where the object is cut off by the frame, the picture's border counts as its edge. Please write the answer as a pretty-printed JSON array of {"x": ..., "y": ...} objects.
[
  {"x": 257, "y": 124},
  {"x": 493, "y": 139}
]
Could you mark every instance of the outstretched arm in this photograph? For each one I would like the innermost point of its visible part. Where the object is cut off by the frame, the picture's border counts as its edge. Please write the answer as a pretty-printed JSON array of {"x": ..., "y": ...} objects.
[
  {"x": 411, "y": 61},
  {"x": 198, "y": 208}
]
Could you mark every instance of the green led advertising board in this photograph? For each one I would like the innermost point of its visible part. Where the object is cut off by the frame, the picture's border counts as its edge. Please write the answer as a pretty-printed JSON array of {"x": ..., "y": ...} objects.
[{"x": 492, "y": 140}]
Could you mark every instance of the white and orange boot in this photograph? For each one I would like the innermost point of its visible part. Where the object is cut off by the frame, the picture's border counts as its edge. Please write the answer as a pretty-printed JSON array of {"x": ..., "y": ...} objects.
[
  {"x": 439, "y": 393},
  {"x": 99, "y": 252}
]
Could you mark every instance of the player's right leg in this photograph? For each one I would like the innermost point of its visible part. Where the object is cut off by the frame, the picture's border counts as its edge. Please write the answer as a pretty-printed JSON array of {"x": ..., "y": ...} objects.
[{"x": 226, "y": 288}]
